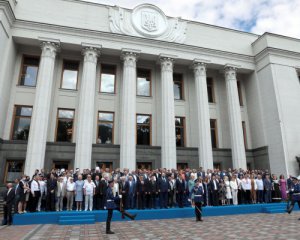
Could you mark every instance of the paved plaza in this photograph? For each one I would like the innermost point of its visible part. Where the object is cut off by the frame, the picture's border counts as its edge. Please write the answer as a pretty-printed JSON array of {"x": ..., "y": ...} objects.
[{"x": 253, "y": 226}]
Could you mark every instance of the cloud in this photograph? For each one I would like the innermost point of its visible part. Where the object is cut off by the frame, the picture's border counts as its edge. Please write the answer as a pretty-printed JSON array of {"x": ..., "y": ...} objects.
[{"x": 257, "y": 16}]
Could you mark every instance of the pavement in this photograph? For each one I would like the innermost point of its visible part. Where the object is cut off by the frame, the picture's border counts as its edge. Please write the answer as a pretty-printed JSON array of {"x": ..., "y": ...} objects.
[{"x": 252, "y": 226}]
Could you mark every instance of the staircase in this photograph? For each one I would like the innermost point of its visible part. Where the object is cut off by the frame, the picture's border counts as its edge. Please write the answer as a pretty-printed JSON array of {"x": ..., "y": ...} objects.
[
  {"x": 276, "y": 208},
  {"x": 76, "y": 219}
]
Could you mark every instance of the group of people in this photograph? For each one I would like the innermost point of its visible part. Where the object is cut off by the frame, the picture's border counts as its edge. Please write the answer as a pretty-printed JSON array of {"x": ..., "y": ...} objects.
[{"x": 77, "y": 190}]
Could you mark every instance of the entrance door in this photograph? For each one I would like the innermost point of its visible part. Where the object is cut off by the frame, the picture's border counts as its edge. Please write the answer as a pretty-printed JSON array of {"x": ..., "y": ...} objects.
[
  {"x": 61, "y": 165},
  {"x": 217, "y": 166},
  {"x": 182, "y": 166},
  {"x": 144, "y": 165},
  {"x": 104, "y": 165}
]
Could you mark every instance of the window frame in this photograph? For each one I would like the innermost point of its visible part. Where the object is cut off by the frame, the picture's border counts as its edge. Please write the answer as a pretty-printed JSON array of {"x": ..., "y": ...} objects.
[
  {"x": 212, "y": 85},
  {"x": 22, "y": 66},
  {"x": 14, "y": 119},
  {"x": 115, "y": 80},
  {"x": 57, "y": 118},
  {"x": 113, "y": 127},
  {"x": 182, "y": 86},
  {"x": 240, "y": 93},
  {"x": 62, "y": 74},
  {"x": 245, "y": 134},
  {"x": 184, "y": 130},
  {"x": 216, "y": 131},
  {"x": 150, "y": 87},
  {"x": 6, "y": 168},
  {"x": 136, "y": 128}
]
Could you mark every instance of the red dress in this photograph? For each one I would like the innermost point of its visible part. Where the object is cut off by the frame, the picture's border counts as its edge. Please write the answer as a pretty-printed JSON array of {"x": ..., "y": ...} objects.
[{"x": 282, "y": 184}]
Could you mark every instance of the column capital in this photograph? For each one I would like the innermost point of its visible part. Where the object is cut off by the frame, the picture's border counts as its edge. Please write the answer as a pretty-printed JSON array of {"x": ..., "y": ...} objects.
[
  {"x": 199, "y": 67},
  {"x": 230, "y": 71},
  {"x": 130, "y": 57},
  {"x": 91, "y": 52},
  {"x": 49, "y": 49},
  {"x": 167, "y": 62}
]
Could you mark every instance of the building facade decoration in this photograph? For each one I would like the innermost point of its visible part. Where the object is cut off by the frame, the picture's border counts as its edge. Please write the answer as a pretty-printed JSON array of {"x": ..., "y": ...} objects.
[{"x": 148, "y": 21}]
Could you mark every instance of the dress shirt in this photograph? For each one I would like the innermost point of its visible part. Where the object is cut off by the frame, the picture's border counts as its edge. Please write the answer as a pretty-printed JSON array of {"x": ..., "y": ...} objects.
[
  {"x": 89, "y": 187},
  {"x": 246, "y": 183},
  {"x": 34, "y": 186},
  {"x": 70, "y": 186},
  {"x": 260, "y": 184}
]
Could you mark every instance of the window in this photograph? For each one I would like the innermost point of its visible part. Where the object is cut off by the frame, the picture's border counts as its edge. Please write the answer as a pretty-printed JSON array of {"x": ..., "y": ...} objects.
[
  {"x": 143, "y": 129},
  {"x": 240, "y": 93},
  {"x": 213, "y": 132},
  {"x": 179, "y": 131},
  {"x": 70, "y": 75},
  {"x": 108, "y": 78},
  {"x": 64, "y": 129},
  {"x": 178, "y": 86},
  {"x": 244, "y": 134},
  {"x": 21, "y": 123},
  {"x": 210, "y": 90},
  {"x": 29, "y": 71},
  {"x": 105, "y": 127},
  {"x": 143, "y": 85},
  {"x": 14, "y": 169}
]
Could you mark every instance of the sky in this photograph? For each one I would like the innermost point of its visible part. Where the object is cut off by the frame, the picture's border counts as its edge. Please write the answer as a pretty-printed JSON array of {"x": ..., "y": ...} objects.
[{"x": 256, "y": 16}]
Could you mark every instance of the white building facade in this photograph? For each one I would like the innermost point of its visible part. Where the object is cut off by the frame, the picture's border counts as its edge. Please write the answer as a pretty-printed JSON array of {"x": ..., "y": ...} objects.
[{"x": 85, "y": 85}]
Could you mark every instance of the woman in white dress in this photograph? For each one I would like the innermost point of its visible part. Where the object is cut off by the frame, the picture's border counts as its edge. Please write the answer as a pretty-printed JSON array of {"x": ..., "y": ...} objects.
[
  {"x": 228, "y": 190},
  {"x": 234, "y": 190}
]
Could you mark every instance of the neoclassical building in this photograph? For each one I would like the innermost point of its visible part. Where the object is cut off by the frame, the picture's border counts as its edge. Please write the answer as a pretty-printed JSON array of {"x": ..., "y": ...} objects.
[{"x": 84, "y": 85}]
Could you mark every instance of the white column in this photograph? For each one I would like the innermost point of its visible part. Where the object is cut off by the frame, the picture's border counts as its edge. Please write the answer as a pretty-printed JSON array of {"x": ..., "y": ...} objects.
[
  {"x": 168, "y": 144},
  {"x": 86, "y": 110},
  {"x": 128, "y": 111},
  {"x": 36, "y": 147},
  {"x": 204, "y": 143},
  {"x": 235, "y": 120}
]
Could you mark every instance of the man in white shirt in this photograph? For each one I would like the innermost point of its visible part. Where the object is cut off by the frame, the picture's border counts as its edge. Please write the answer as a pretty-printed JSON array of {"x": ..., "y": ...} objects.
[
  {"x": 70, "y": 193},
  {"x": 35, "y": 192},
  {"x": 43, "y": 189},
  {"x": 260, "y": 189},
  {"x": 89, "y": 192},
  {"x": 246, "y": 184},
  {"x": 60, "y": 194}
]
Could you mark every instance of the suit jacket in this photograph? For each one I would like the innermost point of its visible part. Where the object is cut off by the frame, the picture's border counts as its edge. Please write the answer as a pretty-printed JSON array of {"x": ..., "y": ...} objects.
[
  {"x": 163, "y": 185},
  {"x": 97, "y": 189},
  {"x": 201, "y": 174},
  {"x": 9, "y": 199},
  {"x": 124, "y": 187},
  {"x": 132, "y": 188},
  {"x": 103, "y": 187},
  {"x": 152, "y": 187},
  {"x": 51, "y": 185},
  {"x": 212, "y": 187},
  {"x": 180, "y": 186},
  {"x": 267, "y": 184},
  {"x": 141, "y": 187}
]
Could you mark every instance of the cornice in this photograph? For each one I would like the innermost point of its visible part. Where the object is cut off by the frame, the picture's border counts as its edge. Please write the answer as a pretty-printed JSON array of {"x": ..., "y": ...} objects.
[
  {"x": 93, "y": 34},
  {"x": 9, "y": 13},
  {"x": 276, "y": 52}
]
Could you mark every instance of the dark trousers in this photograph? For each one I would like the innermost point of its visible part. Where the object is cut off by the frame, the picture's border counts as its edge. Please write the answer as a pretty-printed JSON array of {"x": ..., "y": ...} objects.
[
  {"x": 7, "y": 217},
  {"x": 103, "y": 200},
  {"x": 291, "y": 207},
  {"x": 198, "y": 210},
  {"x": 268, "y": 196},
  {"x": 96, "y": 201},
  {"x": 50, "y": 202},
  {"x": 130, "y": 201},
  {"x": 124, "y": 200},
  {"x": 17, "y": 200},
  {"x": 35, "y": 200},
  {"x": 163, "y": 199},
  {"x": 141, "y": 200},
  {"x": 247, "y": 195},
  {"x": 108, "y": 220},
  {"x": 180, "y": 199},
  {"x": 170, "y": 198},
  {"x": 215, "y": 198},
  {"x": 152, "y": 200},
  {"x": 260, "y": 196}
]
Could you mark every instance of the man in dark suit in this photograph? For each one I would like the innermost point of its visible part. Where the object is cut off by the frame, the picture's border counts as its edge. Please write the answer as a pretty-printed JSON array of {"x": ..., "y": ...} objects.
[
  {"x": 131, "y": 193},
  {"x": 96, "y": 199},
  {"x": 103, "y": 188},
  {"x": 214, "y": 188},
  {"x": 8, "y": 198},
  {"x": 200, "y": 173},
  {"x": 18, "y": 190},
  {"x": 51, "y": 186},
  {"x": 180, "y": 190},
  {"x": 124, "y": 188},
  {"x": 163, "y": 189},
  {"x": 152, "y": 191}
]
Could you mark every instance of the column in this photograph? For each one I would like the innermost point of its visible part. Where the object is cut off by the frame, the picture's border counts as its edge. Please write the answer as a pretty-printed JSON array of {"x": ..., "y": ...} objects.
[
  {"x": 86, "y": 110},
  {"x": 36, "y": 147},
  {"x": 128, "y": 111},
  {"x": 204, "y": 136},
  {"x": 235, "y": 120},
  {"x": 168, "y": 144}
]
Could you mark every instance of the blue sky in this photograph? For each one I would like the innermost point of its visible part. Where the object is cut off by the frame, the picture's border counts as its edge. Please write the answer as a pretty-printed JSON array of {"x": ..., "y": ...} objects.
[{"x": 257, "y": 16}]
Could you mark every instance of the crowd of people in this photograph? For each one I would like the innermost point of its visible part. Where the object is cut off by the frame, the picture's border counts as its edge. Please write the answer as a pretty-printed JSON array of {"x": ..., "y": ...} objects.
[{"x": 82, "y": 191}]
